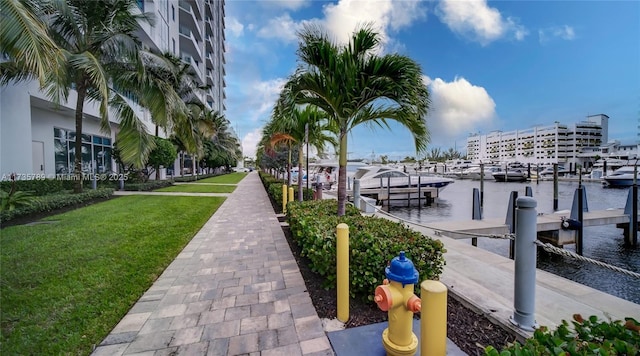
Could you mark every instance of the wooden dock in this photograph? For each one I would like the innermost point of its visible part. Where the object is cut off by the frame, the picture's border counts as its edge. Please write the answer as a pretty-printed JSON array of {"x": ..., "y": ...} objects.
[{"x": 549, "y": 226}]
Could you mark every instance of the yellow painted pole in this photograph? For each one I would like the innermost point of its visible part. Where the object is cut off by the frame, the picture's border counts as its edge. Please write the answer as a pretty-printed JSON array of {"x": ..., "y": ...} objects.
[
  {"x": 342, "y": 267},
  {"x": 290, "y": 193},
  {"x": 284, "y": 198},
  {"x": 433, "y": 323}
]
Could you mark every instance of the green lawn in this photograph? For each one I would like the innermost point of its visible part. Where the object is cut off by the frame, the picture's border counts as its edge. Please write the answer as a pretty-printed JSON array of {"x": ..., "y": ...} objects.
[
  {"x": 231, "y": 178},
  {"x": 65, "y": 285},
  {"x": 198, "y": 188}
]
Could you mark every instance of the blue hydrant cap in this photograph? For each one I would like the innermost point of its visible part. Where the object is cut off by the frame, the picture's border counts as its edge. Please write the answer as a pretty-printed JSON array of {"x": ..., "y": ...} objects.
[{"x": 401, "y": 270}]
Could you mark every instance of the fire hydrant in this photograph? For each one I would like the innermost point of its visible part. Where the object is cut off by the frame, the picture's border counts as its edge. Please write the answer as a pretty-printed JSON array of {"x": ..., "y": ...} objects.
[{"x": 396, "y": 296}]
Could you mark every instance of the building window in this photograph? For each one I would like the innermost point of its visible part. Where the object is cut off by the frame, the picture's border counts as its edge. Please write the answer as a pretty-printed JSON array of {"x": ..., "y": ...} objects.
[
  {"x": 173, "y": 12},
  {"x": 96, "y": 152},
  {"x": 173, "y": 45},
  {"x": 140, "y": 4}
]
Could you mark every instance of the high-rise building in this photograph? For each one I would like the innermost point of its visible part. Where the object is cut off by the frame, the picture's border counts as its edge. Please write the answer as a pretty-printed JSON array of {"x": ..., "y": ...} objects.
[{"x": 37, "y": 137}]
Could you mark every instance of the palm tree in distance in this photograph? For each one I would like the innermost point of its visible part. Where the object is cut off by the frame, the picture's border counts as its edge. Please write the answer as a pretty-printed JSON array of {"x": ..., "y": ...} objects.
[
  {"x": 354, "y": 86},
  {"x": 292, "y": 126}
]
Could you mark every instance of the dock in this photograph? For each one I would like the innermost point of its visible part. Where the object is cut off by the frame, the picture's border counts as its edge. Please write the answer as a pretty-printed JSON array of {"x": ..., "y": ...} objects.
[
  {"x": 484, "y": 282},
  {"x": 385, "y": 195},
  {"x": 549, "y": 226}
]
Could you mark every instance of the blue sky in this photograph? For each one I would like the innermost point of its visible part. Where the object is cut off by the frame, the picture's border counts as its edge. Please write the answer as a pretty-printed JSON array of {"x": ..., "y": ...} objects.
[{"x": 489, "y": 65}]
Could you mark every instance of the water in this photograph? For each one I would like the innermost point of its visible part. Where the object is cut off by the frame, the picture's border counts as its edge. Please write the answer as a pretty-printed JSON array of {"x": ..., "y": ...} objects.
[{"x": 602, "y": 243}]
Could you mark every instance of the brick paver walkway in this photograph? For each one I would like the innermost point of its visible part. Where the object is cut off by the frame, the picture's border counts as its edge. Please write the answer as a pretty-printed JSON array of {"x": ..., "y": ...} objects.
[{"x": 235, "y": 289}]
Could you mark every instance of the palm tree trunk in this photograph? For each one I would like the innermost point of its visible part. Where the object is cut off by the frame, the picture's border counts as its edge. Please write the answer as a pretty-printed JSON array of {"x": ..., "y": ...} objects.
[
  {"x": 300, "y": 158},
  {"x": 289, "y": 168},
  {"x": 342, "y": 174},
  {"x": 77, "y": 164}
]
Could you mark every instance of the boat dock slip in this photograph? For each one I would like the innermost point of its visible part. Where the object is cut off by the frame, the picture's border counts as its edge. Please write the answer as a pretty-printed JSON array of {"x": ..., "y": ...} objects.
[{"x": 545, "y": 223}]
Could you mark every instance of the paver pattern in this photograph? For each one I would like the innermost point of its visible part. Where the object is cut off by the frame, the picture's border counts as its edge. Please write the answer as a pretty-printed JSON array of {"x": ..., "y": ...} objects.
[{"x": 235, "y": 289}]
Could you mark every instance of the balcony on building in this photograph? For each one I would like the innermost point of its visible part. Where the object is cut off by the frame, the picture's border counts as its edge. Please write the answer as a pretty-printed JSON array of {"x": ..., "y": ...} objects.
[{"x": 188, "y": 16}]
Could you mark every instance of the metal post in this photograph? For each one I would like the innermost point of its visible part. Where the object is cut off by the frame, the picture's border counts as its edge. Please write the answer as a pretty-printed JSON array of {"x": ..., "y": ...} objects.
[
  {"x": 433, "y": 323},
  {"x": 511, "y": 221},
  {"x": 555, "y": 187},
  {"x": 633, "y": 226},
  {"x": 284, "y": 198},
  {"x": 356, "y": 193},
  {"x": 537, "y": 174},
  {"x": 524, "y": 300},
  {"x": 388, "y": 191},
  {"x": 419, "y": 193},
  {"x": 475, "y": 213},
  {"x": 306, "y": 139},
  {"x": 579, "y": 233},
  {"x": 121, "y": 182},
  {"x": 290, "y": 194},
  {"x": 342, "y": 268},
  {"x": 481, "y": 187}
]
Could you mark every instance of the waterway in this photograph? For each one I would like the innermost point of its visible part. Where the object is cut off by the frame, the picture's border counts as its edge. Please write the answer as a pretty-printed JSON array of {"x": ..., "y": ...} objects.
[{"x": 602, "y": 243}]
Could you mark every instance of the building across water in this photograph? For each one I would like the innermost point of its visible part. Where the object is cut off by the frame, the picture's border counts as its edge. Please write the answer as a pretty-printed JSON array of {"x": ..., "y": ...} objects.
[{"x": 581, "y": 144}]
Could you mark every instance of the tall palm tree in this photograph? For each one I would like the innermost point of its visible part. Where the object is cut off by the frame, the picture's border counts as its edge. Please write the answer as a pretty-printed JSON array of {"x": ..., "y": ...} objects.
[
  {"x": 93, "y": 37},
  {"x": 355, "y": 86},
  {"x": 293, "y": 125}
]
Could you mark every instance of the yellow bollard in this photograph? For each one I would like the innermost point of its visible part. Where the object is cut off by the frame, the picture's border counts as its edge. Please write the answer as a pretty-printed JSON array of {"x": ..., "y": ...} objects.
[
  {"x": 284, "y": 198},
  {"x": 290, "y": 193},
  {"x": 342, "y": 267},
  {"x": 433, "y": 323}
]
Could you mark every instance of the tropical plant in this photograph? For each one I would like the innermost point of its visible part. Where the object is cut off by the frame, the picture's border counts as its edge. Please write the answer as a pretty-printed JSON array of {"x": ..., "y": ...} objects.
[
  {"x": 93, "y": 38},
  {"x": 353, "y": 86},
  {"x": 298, "y": 124}
]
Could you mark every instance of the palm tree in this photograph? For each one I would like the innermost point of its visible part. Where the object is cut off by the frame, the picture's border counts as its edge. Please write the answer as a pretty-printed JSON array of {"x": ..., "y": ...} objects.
[
  {"x": 24, "y": 40},
  {"x": 354, "y": 86},
  {"x": 294, "y": 125},
  {"x": 93, "y": 38}
]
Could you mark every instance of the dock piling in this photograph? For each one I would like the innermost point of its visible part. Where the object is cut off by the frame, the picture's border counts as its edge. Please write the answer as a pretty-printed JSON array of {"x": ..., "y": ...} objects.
[
  {"x": 476, "y": 214},
  {"x": 511, "y": 221},
  {"x": 555, "y": 187},
  {"x": 356, "y": 193},
  {"x": 524, "y": 300}
]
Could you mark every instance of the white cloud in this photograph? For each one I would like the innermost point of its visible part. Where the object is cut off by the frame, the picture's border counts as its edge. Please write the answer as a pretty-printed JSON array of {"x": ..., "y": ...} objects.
[
  {"x": 286, "y": 4},
  {"x": 457, "y": 107},
  {"x": 262, "y": 96},
  {"x": 282, "y": 27},
  {"x": 565, "y": 32},
  {"x": 479, "y": 22},
  {"x": 250, "y": 142},
  {"x": 342, "y": 18},
  {"x": 234, "y": 26}
]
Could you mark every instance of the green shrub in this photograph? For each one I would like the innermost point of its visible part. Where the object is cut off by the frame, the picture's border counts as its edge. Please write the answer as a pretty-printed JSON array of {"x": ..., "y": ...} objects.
[
  {"x": 54, "y": 201},
  {"x": 35, "y": 186},
  {"x": 373, "y": 242},
  {"x": 150, "y": 185},
  {"x": 194, "y": 178},
  {"x": 588, "y": 337}
]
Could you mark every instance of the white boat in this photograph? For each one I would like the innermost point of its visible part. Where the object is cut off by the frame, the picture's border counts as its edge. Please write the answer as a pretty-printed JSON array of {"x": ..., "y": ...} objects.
[
  {"x": 621, "y": 177},
  {"x": 511, "y": 175},
  {"x": 381, "y": 177},
  {"x": 476, "y": 173},
  {"x": 547, "y": 172}
]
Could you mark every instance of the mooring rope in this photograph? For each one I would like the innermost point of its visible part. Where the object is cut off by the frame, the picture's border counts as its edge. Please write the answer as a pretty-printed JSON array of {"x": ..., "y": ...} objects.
[
  {"x": 546, "y": 246},
  {"x": 560, "y": 251}
]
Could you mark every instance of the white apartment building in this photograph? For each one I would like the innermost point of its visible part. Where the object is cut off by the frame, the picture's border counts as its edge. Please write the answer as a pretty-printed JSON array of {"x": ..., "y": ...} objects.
[
  {"x": 557, "y": 143},
  {"x": 36, "y": 137}
]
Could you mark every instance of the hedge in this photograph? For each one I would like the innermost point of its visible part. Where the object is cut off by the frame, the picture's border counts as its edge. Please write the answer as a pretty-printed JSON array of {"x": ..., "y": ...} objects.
[
  {"x": 150, "y": 185},
  {"x": 35, "y": 186},
  {"x": 373, "y": 242},
  {"x": 54, "y": 201}
]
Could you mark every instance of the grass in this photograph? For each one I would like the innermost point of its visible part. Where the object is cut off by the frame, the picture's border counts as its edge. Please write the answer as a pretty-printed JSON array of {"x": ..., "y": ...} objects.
[
  {"x": 65, "y": 285},
  {"x": 231, "y": 178},
  {"x": 198, "y": 188}
]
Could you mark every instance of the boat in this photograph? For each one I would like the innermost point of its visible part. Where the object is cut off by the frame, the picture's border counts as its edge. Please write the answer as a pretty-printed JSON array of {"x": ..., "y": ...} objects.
[
  {"x": 547, "y": 172},
  {"x": 384, "y": 176},
  {"x": 476, "y": 173},
  {"x": 511, "y": 175},
  {"x": 621, "y": 177}
]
